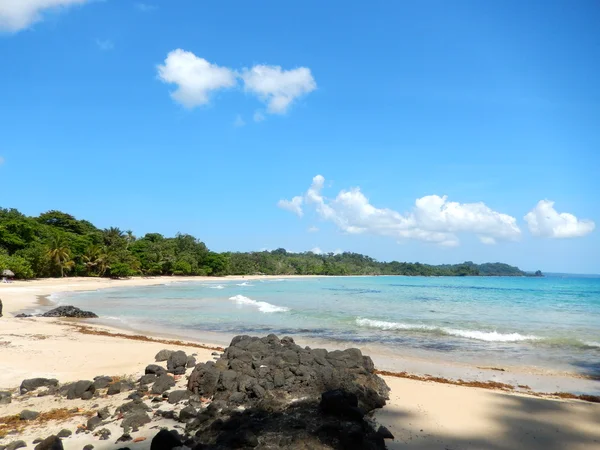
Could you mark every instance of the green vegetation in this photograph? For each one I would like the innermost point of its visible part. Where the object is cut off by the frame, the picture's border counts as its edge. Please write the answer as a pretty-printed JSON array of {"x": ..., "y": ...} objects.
[{"x": 56, "y": 244}]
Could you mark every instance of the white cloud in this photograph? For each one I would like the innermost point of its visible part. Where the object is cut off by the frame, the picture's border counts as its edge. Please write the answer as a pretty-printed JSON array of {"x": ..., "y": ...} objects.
[
  {"x": 432, "y": 219},
  {"x": 338, "y": 251},
  {"x": 278, "y": 88},
  {"x": 195, "y": 77},
  {"x": 487, "y": 240},
  {"x": 145, "y": 7},
  {"x": 16, "y": 15},
  {"x": 317, "y": 251},
  {"x": 294, "y": 205},
  {"x": 105, "y": 45},
  {"x": 312, "y": 229},
  {"x": 259, "y": 116},
  {"x": 238, "y": 122},
  {"x": 543, "y": 220}
]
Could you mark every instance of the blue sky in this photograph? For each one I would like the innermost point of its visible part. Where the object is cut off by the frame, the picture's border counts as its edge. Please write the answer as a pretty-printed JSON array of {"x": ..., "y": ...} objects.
[{"x": 208, "y": 118}]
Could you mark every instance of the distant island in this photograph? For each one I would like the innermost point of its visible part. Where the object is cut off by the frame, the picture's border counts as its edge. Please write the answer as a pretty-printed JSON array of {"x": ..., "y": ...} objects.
[{"x": 56, "y": 244}]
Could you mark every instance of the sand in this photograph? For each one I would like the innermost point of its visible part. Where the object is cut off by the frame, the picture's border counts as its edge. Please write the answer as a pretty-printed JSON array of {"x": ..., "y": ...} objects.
[{"x": 421, "y": 415}]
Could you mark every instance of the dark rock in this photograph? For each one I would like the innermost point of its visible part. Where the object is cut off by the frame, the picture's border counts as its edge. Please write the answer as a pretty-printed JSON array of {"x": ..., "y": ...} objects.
[
  {"x": 177, "y": 396},
  {"x": 35, "y": 383},
  {"x": 166, "y": 414},
  {"x": 28, "y": 415},
  {"x": 187, "y": 413},
  {"x": 191, "y": 362},
  {"x": 163, "y": 355},
  {"x": 87, "y": 395},
  {"x": 135, "y": 396},
  {"x": 163, "y": 384},
  {"x": 148, "y": 379},
  {"x": 76, "y": 390},
  {"x": 5, "y": 398},
  {"x": 104, "y": 413},
  {"x": 70, "y": 311},
  {"x": 135, "y": 420},
  {"x": 88, "y": 447},
  {"x": 102, "y": 382},
  {"x": 93, "y": 422},
  {"x": 177, "y": 362},
  {"x": 103, "y": 434},
  {"x": 133, "y": 407},
  {"x": 37, "y": 440},
  {"x": 155, "y": 369},
  {"x": 23, "y": 315},
  {"x": 15, "y": 445},
  {"x": 50, "y": 443},
  {"x": 165, "y": 440},
  {"x": 114, "y": 388},
  {"x": 64, "y": 433},
  {"x": 384, "y": 433},
  {"x": 341, "y": 404},
  {"x": 125, "y": 437}
]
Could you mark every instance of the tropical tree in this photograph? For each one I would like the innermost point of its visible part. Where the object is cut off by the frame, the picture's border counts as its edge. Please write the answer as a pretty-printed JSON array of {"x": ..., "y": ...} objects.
[{"x": 60, "y": 254}]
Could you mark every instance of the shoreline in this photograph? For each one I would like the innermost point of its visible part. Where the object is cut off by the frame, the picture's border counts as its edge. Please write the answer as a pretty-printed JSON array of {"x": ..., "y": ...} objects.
[
  {"x": 543, "y": 380},
  {"x": 421, "y": 413}
]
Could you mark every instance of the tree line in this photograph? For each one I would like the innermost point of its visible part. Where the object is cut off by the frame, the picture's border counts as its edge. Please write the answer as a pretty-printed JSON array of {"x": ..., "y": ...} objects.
[{"x": 56, "y": 244}]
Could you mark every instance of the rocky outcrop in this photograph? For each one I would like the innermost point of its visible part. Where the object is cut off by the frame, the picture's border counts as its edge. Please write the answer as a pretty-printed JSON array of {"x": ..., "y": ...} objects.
[
  {"x": 252, "y": 369},
  {"x": 290, "y": 397},
  {"x": 70, "y": 311}
]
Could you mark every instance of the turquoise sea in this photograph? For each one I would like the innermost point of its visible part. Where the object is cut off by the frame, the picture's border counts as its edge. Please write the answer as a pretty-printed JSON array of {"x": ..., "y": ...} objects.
[{"x": 550, "y": 323}]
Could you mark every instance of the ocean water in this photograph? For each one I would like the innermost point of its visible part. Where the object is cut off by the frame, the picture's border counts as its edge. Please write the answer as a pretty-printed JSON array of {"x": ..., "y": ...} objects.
[{"x": 550, "y": 323}]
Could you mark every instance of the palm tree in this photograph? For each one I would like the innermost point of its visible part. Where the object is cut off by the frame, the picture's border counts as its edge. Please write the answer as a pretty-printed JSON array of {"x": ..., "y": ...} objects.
[
  {"x": 96, "y": 258},
  {"x": 60, "y": 254},
  {"x": 129, "y": 237}
]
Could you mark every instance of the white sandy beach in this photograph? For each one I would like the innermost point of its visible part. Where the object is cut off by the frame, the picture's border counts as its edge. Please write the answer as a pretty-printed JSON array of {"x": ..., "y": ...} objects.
[{"x": 421, "y": 415}]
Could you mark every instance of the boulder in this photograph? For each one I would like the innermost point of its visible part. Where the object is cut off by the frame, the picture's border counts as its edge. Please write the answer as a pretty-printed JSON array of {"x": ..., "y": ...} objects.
[
  {"x": 93, "y": 423},
  {"x": 102, "y": 382},
  {"x": 178, "y": 396},
  {"x": 78, "y": 389},
  {"x": 165, "y": 440},
  {"x": 104, "y": 413},
  {"x": 135, "y": 420},
  {"x": 177, "y": 362},
  {"x": 133, "y": 407},
  {"x": 34, "y": 383},
  {"x": 88, "y": 447},
  {"x": 163, "y": 355},
  {"x": 70, "y": 311},
  {"x": 64, "y": 433},
  {"x": 50, "y": 443},
  {"x": 148, "y": 379},
  {"x": 341, "y": 404},
  {"x": 163, "y": 384},
  {"x": 154, "y": 369},
  {"x": 191, "y": 362},
  {"x": 187, "y": 413},
  {"x": 15, "y": 445},
  {"x": 28, "y": 415},
  {"x": 5, "y": 397},
  {"x": 114, "y": 388}
]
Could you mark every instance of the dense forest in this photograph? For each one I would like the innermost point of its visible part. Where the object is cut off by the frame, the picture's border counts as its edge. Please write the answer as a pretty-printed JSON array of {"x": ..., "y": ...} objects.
[{"x": 56, "y": 244}]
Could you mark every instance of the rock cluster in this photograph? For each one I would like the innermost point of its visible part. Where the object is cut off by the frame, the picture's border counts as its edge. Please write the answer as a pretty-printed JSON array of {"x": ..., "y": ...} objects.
[
  {"x": 253, "y": 368},
  {"x": 70, "y": 311},
  {"x": 63, "y": 311}
]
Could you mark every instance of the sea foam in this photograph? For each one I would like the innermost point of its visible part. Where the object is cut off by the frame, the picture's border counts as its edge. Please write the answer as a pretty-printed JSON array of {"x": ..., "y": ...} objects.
[
  {"x": 245, "y": 283},
  {"x": 262, "y": 306},
  {"x": 218, "y": 286},
  {"x": 489, "y": 336}
]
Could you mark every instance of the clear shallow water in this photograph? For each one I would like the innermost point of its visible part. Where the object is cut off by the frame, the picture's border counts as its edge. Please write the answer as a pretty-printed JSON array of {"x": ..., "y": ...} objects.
[{"x": 552, "y": 323}]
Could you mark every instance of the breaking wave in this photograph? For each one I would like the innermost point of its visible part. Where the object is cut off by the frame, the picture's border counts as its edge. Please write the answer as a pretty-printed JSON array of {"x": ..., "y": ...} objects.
[
  {"x": 245, "y": 283},
  {"x": 262, "y": 306},
  {"x": 488, "y": 336}
]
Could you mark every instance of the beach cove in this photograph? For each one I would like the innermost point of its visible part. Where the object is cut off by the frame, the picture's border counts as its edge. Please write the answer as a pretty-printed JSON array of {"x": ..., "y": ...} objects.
[{"x": 420, "y": 414}]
